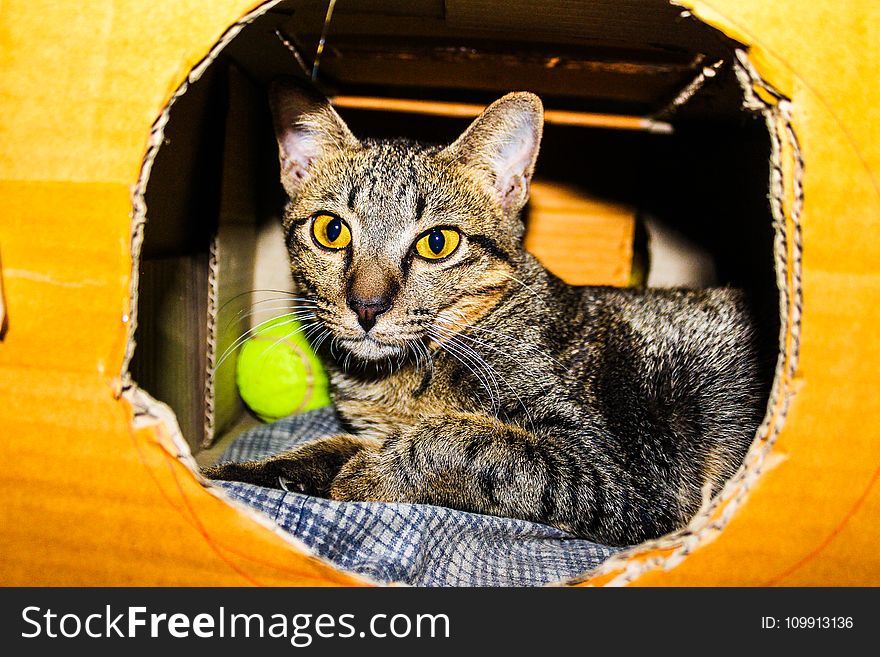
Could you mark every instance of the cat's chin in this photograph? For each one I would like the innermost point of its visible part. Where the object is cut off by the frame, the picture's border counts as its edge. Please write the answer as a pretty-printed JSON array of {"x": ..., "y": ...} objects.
[{"x": 370, "y": 349}]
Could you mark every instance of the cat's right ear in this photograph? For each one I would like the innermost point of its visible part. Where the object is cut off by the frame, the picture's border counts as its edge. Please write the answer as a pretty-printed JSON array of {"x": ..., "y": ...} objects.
[{"x": 307, "y": 129}]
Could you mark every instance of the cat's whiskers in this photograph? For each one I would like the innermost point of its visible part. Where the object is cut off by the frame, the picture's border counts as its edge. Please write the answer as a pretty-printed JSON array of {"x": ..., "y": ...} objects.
[
  {"x": 453, "y": 340},
  {"x": 257, "y": 311},
  {"x": 479, "y": 362},
  {"x": 306, "y": 329},
  {"x": 484, "y": 344},
  {"x": 527, "y": 287},
  {"x": 454, "y": 349},
  {"x": 322, "y": 337},
  {"x": 418, "y": 347},
  {"x": 252, "y": 310},
  {"x": 516, "y": 341},
  {"x": 318, "y": 329},
  {"x": 290, "y": 301},
  {"x": 428, "y": 355},
  {"x": 453, "y": 344},
  {"x": 297, "y": 300},
  {"x": 407, "y": 352},
  {"x": 286, "y": 296},
  {"x": 293, "y": 318},
  {"x": 423, "y": 355},
  {"x": 292, "y": 312},
  {"x": 483, "y": 382}
]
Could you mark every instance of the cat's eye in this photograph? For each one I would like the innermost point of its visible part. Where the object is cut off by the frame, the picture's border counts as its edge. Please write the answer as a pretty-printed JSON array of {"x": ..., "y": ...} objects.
[
  {"x": 331, "y": 232},
  {"x": 438, "y": 243}
]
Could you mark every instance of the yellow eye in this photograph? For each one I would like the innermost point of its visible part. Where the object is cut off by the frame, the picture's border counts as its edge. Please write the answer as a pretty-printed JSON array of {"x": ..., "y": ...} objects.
[
  {"x": 438, "y": 243},
  {"x": 331, "y": 232}
]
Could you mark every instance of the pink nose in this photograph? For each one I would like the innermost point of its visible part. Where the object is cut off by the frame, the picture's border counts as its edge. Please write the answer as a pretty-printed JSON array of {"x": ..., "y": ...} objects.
[{"x": 368, "y": 310}]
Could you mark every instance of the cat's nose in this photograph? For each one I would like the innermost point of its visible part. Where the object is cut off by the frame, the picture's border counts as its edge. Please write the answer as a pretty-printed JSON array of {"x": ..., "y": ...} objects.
[{"x": 368, "y": 309}]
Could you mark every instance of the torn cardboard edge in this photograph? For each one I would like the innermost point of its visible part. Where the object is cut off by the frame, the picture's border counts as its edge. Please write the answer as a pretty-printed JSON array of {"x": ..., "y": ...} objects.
[
  {"x": 212, "y": 340},
  {"x": 669, "y": 551},
  {"x": 154, "y": 143},
  {"x": 624, "y": 568},
  {"x": 149, "y": 413},
  {"x": 139, "y": 212},
  {"x": 2, "y": 305}
]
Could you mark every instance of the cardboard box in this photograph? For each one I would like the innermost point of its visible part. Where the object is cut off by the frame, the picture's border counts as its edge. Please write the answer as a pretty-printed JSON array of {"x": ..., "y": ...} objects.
[{"x": 155, "y": 114}]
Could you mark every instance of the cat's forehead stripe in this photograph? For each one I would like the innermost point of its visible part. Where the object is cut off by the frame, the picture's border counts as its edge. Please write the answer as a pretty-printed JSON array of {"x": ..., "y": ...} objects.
[
  {"x": 388, "y": 179},
  {"x": 352, "y": 195}
]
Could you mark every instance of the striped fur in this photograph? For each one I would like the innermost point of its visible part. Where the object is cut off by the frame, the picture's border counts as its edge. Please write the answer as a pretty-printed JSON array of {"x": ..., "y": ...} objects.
[{"x": 488, "y": 384}]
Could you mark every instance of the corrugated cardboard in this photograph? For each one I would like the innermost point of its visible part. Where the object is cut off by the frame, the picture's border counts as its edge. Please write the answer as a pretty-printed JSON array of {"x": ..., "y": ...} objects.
[
  {"x": 96, "y": 486},
  {"x": 564, "y": 225}
]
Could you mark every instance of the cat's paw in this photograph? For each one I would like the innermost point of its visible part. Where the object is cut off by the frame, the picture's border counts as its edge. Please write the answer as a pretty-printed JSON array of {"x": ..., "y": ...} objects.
[
  {"x": 260, "y": 473},
  {"x": 360, "y": 480},
  {"x": 308, "y": 469}
]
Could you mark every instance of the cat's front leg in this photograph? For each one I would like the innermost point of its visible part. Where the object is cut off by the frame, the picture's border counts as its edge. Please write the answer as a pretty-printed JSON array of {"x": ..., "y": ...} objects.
[
  {"x": 309, "y": 468},
  {"x": 469, "y": 462}
]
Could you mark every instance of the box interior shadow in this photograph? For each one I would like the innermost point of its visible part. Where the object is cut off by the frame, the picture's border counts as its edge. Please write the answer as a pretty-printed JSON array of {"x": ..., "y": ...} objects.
[{"x": 213, "y": 195}]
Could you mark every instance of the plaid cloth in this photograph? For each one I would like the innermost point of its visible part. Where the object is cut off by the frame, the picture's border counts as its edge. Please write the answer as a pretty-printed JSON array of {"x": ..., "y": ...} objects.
[{"x": 416, "y": 544}]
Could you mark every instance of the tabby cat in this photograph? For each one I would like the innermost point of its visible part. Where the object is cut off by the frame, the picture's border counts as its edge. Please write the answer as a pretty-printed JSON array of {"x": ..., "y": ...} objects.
[{"x": 470, "y": 376}]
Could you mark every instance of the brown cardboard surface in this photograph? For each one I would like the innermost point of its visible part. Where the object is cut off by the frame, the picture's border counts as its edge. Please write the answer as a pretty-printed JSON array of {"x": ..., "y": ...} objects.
[
  {"x": 88, "y": 499},
  {"x": 564, "y": 225},
  {"x": 65, "y": 256},
  {"x": 2, "y": 304},
  {"x": 172, "y": 326},
  {"x": 607, "y": 52}
]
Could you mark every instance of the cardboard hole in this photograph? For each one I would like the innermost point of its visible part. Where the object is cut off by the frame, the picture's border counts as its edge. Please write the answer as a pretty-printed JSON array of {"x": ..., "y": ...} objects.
[{"x": 213, "y": 199}]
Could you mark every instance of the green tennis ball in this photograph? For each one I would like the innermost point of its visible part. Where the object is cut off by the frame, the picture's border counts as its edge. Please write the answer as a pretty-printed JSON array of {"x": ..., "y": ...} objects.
[{"x": 278, "y": 374}]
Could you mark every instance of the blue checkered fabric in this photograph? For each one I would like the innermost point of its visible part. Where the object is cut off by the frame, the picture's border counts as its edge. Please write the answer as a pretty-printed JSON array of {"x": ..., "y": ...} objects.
[{"x": 416, "y": 544}]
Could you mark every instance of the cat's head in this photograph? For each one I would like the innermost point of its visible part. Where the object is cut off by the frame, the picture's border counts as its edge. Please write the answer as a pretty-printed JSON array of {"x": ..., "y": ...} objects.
[{"x": 397, "y": 242}]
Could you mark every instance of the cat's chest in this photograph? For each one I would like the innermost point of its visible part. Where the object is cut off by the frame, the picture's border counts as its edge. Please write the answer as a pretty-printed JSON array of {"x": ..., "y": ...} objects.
[{"x": 393, "y": 403}]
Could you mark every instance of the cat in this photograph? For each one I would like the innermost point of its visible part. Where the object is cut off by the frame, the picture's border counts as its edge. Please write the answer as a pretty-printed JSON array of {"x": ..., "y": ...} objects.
[{"x": 469, "y": 375}]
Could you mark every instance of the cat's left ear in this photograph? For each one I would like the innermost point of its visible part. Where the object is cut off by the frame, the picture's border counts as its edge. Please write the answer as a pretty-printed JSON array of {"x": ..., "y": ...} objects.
[{"x": 501, "y": 145}]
